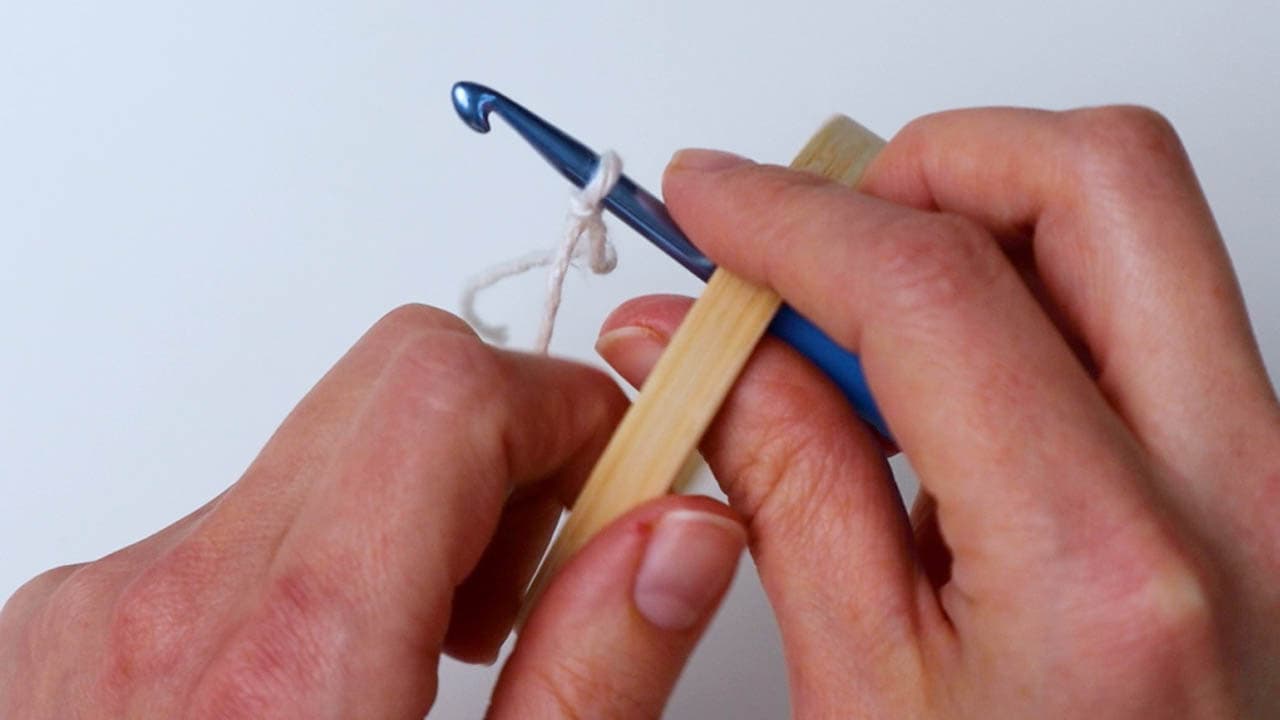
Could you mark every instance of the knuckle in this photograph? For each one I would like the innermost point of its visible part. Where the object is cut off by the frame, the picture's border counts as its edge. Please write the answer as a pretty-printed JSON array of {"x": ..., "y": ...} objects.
[
  {"x": 78, "y": 600},
  {"x": 1171, "y": 628},
  {"x": 921, "y": 128},
  {"x": 37, "y": 590},
  {"x": 279, "y": 652},
  {"x": 1174, "y": 599},
  {"x": 1124, "y": 143},
  {"x": 225, "y": 695},
  {"x": 775, "y": 480},
  {"x": 932, "y": 262},
  {"x": 453, "y": 373},
  {"x": 1177, "y": 603},
  {"x": 413, "y": 320},
  {"x": 1130, "y": 124},
  {"x": 780, "y": 204},
  {"x": 314, "y": 593},
  {"x": 772, "y": 187},
  {"x": 758, "y": 482},
  {"x": 451, "y": 390},
  {"x": 30, "y": 626},
  {"x": 790, "y": 198},
  {"x": 576, "y": 689},
  {"x": 70, "y": 623},
  {"x": 416, "y": 317},
  {"x": 1160, "y": 600},
  {"x": 150, "y": 623}
]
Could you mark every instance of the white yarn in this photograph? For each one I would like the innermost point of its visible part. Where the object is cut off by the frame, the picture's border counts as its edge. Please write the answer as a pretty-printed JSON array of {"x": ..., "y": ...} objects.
[{"x": 585, "y": 222}]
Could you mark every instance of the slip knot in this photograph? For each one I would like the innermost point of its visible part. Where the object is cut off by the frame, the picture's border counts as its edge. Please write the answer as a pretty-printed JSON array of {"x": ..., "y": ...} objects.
[{"x": 585, "y": 222}]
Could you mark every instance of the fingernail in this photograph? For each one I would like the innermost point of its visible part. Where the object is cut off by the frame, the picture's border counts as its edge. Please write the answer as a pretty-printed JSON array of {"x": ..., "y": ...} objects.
[
  {"x": 705, "y": 160},
  {"x": 690, "y": 559},
  {"x": 631, "y": 350}
]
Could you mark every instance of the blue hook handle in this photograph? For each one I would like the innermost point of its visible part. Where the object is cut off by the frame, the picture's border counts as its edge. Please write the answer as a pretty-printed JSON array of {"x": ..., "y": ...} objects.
[{"x": 648, "y": 216}]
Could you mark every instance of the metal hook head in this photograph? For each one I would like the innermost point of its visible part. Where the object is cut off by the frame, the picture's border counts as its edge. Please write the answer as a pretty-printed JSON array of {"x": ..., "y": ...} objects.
[{"x": 473, "y": 103}]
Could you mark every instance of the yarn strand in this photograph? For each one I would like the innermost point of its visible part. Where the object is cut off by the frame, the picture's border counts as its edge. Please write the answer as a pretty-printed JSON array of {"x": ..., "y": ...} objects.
[{"x": 585, "y": 222}]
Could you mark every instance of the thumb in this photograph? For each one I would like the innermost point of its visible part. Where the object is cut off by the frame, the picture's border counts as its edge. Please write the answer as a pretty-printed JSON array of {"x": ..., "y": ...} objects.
[
  {"x": 829, "y": 534},
  {"x": 613, "y": 631}
]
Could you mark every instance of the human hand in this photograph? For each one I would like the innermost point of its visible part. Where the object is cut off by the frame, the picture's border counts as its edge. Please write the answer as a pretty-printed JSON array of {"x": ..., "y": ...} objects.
[
  {"x": 396, "y": 514},
  {"x": 1049, "y": 321}
]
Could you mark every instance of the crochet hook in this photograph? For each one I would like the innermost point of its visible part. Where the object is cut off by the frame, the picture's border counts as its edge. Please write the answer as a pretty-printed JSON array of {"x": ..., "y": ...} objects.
[{"x": 644, "y": 213}]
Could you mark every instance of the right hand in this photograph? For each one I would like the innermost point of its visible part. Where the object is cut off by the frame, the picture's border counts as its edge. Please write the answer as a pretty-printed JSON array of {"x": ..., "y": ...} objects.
[{"x": 1048, "y": 318}]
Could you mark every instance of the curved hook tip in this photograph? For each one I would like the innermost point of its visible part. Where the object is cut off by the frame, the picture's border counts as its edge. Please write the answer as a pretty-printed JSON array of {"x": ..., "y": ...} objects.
[{"x": 473, "y": 102}]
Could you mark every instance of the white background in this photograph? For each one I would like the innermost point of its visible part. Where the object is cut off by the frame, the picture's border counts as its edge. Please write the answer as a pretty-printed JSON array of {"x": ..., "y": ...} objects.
[{"x": 202, "y": 204}]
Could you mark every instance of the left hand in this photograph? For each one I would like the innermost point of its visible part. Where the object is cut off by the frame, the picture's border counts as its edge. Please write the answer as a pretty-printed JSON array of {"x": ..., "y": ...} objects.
[{"x": 395, "y": 515}]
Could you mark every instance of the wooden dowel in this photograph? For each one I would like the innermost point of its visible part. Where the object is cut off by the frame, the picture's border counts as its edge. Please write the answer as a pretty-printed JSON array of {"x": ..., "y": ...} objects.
[{"x": 693, "y": 376}]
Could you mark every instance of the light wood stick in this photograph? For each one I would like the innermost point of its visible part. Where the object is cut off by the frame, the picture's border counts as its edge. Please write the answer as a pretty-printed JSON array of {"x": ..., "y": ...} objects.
[{"x": 693, "y": 376}]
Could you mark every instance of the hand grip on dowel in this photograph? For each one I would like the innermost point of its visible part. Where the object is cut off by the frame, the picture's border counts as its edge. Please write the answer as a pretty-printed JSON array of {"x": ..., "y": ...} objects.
[{"x": 694, "y": 375}]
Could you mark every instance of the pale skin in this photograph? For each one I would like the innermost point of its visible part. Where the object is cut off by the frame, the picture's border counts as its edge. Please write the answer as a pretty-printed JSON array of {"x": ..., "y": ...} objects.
[{"x": 1048, "y": 318}]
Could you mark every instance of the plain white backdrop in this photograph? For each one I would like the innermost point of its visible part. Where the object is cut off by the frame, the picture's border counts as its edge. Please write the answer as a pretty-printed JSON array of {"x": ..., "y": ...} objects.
[{"x": 202, "y": 205}]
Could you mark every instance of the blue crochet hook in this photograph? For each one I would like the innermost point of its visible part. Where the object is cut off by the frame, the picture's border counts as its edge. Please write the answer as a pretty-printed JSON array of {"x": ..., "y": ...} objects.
[{"x": 648, "y": 216}]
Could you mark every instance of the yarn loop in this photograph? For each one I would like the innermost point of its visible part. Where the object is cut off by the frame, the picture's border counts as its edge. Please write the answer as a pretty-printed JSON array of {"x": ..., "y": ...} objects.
[{"x": 585, "y": 222}]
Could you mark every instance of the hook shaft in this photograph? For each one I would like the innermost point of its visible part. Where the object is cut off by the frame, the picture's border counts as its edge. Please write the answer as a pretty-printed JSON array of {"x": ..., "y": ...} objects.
[
  {"x": 648, "y": 216},
  {"x": 631, "y": 203}
]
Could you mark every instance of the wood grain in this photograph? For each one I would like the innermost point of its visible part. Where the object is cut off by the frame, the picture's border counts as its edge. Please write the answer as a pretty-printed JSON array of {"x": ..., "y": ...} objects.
[{"x": 693, "y": 376}]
